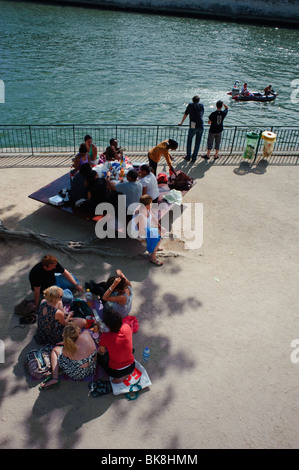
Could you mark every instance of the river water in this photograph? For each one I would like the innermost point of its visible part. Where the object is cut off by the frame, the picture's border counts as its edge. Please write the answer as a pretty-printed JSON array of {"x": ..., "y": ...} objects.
[{"x": 89, "y": 66}]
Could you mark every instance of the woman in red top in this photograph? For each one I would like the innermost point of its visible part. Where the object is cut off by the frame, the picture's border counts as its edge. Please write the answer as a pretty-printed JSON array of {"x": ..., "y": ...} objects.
[{"x": 117, "y": 344}]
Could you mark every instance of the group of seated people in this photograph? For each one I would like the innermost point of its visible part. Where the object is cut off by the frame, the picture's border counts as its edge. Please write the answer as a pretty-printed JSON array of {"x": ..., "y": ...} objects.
[
  {"x": 141, "y": 189},
  {"x": 88, "y": 153},
  {"x": 75, "y": 352},
  {"x": 90, "y": 189}
]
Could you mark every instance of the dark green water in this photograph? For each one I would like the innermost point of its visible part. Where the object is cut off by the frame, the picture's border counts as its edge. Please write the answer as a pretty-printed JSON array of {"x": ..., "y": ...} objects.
[{"x": 77, "y": 65}]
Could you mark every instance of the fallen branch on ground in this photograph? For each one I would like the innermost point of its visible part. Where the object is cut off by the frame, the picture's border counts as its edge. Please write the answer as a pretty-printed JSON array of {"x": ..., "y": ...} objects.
[{"x": 68, "y": 246}]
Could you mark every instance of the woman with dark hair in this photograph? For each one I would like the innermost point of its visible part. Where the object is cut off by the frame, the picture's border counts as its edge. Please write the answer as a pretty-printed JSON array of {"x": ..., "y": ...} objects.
[
  {"x": 91, "y": 150},
  {"x": 79, "y": 183},
  {"x": 162, "y": 149},
  {"x": 81, "y": 158},
  {"x": 118, "y": 295},
  {"x": 96, "y": 190},
  {"x": 149, "y": 182},
  {"x": 115, "y": 353}
]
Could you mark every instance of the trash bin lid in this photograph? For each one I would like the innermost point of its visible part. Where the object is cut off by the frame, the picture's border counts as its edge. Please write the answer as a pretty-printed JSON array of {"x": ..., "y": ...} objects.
[
  {"x": 267, "y": 135},
  {"x": 252, "y": 135}
]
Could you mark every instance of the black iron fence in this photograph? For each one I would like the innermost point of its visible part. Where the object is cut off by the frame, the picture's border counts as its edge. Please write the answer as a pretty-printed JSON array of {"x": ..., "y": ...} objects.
[{"x": 66, "y": 138}]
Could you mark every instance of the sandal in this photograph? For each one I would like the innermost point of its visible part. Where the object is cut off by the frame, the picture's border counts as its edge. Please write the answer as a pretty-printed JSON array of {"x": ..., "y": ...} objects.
[
  {"x": 156, "y": 262},
  {"x": 100, "y": 387},
  {"x": 44, "y": 382}
]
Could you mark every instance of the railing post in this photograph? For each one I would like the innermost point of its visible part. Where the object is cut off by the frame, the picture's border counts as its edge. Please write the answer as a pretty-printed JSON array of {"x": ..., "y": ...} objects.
[
  {"x": 257, "y": 148},
  {"x": 157, "y": 134},
  {"x": 74, "y": 138},
  {"x": 232, "y": 146},
  {"x": 31, "y": 140}
]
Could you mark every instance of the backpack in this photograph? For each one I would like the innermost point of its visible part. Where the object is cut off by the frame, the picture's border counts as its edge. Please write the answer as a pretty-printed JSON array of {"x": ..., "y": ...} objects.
[
  {"x": 180, "y": 181},
  {"x": 81, "y": 309},
  {"x": 38, "y": 362},
  {"x": 25, "y": 308}
]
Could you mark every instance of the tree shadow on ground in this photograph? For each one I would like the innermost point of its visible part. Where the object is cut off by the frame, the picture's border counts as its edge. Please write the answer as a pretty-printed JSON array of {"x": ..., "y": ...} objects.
[{"x": 69, "y": 406}]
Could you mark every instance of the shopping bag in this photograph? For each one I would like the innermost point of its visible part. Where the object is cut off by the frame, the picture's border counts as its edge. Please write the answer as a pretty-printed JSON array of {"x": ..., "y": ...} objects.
[{"x": 136, "y": 381}]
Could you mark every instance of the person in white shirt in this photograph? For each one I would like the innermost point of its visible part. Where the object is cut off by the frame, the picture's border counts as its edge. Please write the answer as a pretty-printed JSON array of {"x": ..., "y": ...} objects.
[{"x": 149, "y": 182}]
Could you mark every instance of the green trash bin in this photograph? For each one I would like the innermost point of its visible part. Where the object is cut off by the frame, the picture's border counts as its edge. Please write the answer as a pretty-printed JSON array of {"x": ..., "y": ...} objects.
[{"x": 252, "y": 141}]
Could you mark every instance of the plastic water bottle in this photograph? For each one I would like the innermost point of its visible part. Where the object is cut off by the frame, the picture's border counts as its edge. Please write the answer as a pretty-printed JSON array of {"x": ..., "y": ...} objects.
[
  {"x": 146, "y": 353},
  {"x": 89, "y": 298}
]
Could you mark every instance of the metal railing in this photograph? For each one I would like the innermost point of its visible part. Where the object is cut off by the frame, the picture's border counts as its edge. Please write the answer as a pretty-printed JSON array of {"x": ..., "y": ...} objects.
[{"x": 66, "y": 138}]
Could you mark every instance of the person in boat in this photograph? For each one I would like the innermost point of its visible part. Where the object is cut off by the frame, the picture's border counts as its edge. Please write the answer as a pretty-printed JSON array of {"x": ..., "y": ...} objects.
[
  {"x": 244, "y": 91},
  {"x": 268, "y": 90},
  {"x": 91, "y": 149}
]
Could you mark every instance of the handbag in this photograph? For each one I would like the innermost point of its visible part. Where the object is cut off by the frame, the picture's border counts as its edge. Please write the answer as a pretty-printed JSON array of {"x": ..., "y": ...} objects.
[
  {"x": 180, "y": 181},
  {"x": 135, "y": 382},
  {"x": 38, "y": 362},
  {"x": 25, "y": 308}
]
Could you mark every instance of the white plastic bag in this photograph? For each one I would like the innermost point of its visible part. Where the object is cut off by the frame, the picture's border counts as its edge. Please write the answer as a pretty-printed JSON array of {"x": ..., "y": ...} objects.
[
  {"x": 174, "y": 196},
  {"x": 138, "y": 380}
]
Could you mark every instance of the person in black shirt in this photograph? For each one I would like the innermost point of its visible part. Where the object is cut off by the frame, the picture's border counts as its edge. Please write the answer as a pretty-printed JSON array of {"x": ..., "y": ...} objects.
[
  {"x": 97, "y": 190},
  {"x": 195, "y": 111},
  {"x": 216, "y": 127},
  {"x": 113, "y": 152},
  {"x": 79, "y": 183},
  {"x": 42, "y": 276}
]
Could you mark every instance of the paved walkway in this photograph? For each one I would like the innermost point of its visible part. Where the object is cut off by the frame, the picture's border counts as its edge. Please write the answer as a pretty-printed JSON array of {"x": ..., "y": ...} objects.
[
  {"x": 219, "y": 319},
  {"x": 55, "y": 160}
]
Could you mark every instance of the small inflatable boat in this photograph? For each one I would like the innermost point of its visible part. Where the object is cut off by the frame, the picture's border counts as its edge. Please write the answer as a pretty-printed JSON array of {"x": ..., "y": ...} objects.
[
  {"x": 255, "y": 97},
  {"x": 236, "y": 95}
]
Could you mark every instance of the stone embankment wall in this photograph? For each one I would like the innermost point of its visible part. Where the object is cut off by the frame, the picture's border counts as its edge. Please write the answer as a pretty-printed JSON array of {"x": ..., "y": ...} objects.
[{"x": 265, "y": 11}]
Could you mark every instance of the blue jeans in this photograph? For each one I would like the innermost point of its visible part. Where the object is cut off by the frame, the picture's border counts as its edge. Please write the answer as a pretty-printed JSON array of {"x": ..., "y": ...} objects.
[
  {"x": 66, "y": 286},
  {"x": 191, "y": 133}
]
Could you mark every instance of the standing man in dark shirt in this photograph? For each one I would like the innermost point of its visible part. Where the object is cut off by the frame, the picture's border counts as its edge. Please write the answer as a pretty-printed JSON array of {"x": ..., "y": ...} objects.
[
  {"x": 216, "y": 127},
  {"x": 42, "y": 275},
  {"x": 195, "y": 110}
]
